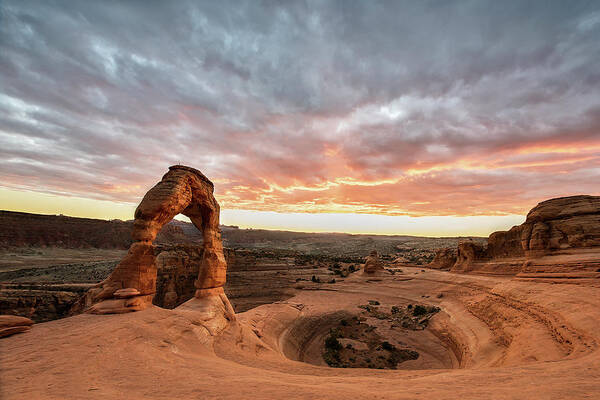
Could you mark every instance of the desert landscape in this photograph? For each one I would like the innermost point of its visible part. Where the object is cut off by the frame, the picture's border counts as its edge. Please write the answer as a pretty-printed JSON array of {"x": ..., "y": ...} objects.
[
  {"x": 300, "y": 199},
  {"x": 518, "y": 308}
]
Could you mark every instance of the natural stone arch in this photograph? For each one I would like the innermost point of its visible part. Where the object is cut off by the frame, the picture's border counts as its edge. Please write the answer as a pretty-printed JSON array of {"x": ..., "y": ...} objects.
[{"x": 131, "y": 286}]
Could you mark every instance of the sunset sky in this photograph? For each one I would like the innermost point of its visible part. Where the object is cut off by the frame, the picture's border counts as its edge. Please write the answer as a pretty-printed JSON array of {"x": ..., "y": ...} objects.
[{"x": 422, "y": 117}]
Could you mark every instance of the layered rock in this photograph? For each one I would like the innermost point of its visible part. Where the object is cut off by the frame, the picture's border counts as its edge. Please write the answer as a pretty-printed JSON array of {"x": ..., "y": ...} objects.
[
  {"x": 11, "y": 324},
  {"x": 182, "y": 190},
  {"x": 562, "y": 223},
  {"x": 559, "y": 238},
  {"x": 38, "y": 301}
]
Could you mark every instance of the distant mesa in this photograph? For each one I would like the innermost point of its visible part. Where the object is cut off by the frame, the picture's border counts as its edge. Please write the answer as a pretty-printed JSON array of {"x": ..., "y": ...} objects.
[{"x": 560, "y": 239}]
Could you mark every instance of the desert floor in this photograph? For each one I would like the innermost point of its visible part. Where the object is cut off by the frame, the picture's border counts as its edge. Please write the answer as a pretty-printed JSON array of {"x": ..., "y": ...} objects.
[{"x": 495, "y": 338}]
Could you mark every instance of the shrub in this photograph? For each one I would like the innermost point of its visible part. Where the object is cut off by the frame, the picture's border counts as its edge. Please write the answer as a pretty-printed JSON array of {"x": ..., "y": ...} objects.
[
  {"x": 419, "y": 310},
  {"x": 332, "y": 358},
  {"x": 388, "y": 346},
  {"x": 332, "y": 343}
]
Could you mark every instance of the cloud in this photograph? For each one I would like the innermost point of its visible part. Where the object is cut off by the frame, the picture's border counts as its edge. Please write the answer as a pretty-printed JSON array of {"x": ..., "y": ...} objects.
[{"x": 399, "y": 108}]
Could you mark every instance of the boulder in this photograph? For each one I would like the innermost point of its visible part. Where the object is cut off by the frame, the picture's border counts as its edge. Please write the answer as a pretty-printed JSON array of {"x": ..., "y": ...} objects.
[
  {"x": 372, "y": 263},
  {"x": 12, "y": 324},
  {"x": 444, "y": 258}
]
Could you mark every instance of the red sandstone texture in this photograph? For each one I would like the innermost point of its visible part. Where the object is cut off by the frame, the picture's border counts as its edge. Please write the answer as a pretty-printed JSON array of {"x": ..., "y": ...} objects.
[
  {"x": 11, "y": 324},
  {"x": 559, "y": 236},
  {"x": 372, "y": 263},
  {"x": 444, "y": 258},
  {"x": 182, "y": 190}
]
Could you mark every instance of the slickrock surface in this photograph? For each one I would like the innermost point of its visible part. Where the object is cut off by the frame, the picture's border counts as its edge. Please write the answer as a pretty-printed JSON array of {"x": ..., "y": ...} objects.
[{"x": 493, "y": 338}]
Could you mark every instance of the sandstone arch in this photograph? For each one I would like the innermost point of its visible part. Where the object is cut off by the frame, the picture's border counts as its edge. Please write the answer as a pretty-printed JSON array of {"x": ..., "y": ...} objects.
[{"x": 131, "y": 286}]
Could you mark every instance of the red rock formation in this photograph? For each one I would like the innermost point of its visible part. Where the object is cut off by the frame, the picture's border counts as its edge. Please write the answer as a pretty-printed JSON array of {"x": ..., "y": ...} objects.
[
  {"x": 468, "y": 252},
  {"x": 11, "y": 324},
  {"x": 182, "y": 190},
  {"x": 562, "y": 223},
  {"x": 504, "y": 244},
  {"x": 559, "y": 236},
  {"x": 372, "y": 263},
  {"x": 444, "y": 259}
]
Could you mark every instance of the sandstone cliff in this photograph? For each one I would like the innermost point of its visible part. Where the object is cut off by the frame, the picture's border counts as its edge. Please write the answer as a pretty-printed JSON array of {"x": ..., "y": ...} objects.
[{"x": 560, "y": 238}]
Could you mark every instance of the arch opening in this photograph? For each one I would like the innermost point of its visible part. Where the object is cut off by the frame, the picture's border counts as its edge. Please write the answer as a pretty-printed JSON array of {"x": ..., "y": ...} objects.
[{"x": 132, "y": 284}]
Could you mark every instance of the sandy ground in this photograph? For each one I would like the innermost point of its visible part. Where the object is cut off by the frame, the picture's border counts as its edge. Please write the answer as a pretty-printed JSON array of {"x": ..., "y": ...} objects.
[{"x": 495, "y": 338}]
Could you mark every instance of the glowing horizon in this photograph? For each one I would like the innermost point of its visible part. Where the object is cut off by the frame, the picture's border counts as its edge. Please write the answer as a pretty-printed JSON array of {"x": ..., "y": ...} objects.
[{"x": 448, "y": 226}]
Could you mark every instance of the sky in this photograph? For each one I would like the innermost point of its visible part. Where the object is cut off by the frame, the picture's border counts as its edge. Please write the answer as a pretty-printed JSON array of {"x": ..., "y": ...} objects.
[{"x": 421, "y": 117}]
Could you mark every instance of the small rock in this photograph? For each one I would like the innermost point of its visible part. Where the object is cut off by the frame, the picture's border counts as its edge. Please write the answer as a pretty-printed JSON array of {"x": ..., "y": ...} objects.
[
  {"x": 126, "y": 293},
  {"x": 11, "y": 324}
]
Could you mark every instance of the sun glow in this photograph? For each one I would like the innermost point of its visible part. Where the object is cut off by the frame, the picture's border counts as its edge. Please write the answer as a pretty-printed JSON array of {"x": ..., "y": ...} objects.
[{"x": 345, "y": 219}]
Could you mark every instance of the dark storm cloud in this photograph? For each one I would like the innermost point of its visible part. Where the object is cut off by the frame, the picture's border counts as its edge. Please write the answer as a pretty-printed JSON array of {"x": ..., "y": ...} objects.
[{"x": 315, "y": 106}]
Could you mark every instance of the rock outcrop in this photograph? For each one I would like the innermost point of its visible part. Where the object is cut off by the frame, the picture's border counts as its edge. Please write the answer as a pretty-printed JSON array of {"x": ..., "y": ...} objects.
[
  {"x": 560, "y": 238},
  {"x": 468, "y": 252},
  {"x": 132, "y": 285},
  {"x": 563, "y": 223},
  {"x": 11, "y": 324},
  {"x": 372, "y": 263},
  {"x": 444, "y": 258}
]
